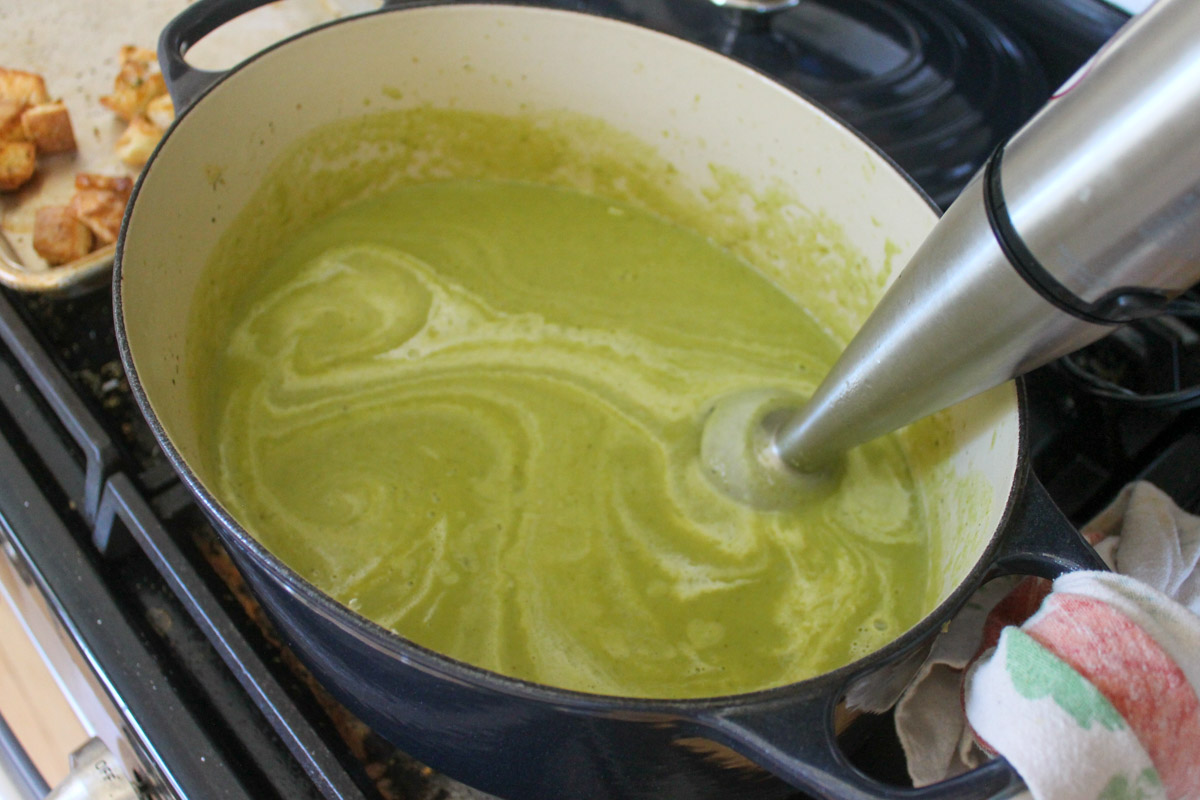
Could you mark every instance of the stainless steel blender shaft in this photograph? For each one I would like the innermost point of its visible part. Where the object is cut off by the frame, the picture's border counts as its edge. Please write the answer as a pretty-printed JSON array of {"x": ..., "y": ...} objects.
[{"x": 1088, "y": 217}]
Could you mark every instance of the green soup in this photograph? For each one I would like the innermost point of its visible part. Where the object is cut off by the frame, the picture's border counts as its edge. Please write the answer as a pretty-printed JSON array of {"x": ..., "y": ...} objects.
[
  {"x": 470, "y": 410},
  {"x": 453, "y": 368}
]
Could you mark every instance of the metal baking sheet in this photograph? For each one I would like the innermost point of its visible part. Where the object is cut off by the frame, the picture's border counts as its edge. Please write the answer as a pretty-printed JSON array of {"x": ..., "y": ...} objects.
[{"x": 74, "y": 46}]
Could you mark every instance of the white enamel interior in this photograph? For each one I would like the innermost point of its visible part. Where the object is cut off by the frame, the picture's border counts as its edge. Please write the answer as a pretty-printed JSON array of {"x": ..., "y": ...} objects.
[{"x": 509, "y": 59}]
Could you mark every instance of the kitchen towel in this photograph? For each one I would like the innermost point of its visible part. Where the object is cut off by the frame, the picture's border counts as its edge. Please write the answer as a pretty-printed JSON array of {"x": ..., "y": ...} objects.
[
  {"x": 1067, "y": 647},
  {"x": 1086, "y": 703}
]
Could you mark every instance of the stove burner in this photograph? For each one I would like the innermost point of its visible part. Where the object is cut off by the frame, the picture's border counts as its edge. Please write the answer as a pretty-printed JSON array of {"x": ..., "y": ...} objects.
[
  {"x": 1151, "y": 364},
  {"x": 935, "y": 83},
  {"x": 1124, "y": 408}
]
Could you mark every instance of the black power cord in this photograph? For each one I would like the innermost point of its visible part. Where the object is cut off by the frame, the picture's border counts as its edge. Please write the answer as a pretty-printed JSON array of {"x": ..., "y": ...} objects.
[{"x": 1178, "y": 399}]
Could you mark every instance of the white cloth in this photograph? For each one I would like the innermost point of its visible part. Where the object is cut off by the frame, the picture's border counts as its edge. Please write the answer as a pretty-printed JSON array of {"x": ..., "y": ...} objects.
[
  {"x": 1091, "y": 697},
  {"x": 1061, "y": 735},
  {"x": 1147, "y": 537},
  {"x": 1142, "y": 534}
]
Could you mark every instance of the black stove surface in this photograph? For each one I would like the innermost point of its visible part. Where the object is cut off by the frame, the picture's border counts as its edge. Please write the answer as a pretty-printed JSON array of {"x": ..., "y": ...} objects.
[
  {"x": 1127, "y": 407},
  {"x": 98, "y": 522},
  {"x": 937, "y": 85}
]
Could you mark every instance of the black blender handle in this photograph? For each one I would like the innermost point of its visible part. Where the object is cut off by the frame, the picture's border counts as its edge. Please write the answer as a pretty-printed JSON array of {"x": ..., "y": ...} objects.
[{"x": 796, "y": 739}]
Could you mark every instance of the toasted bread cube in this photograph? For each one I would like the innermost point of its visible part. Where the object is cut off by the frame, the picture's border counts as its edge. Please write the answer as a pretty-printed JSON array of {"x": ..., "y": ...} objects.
[
  {"x": 138, "y": 141},
  {"x": 101, "y": 211},
  {"x": 161, "y": 111},
  {"x": 137, "y": 83},
  {"x": 11, "y": 129},
  {"x": 121, "y": 184},
  {"x": 99, "y": 202},
  {"x": 130, "y": 99},
  {"x": 59, "y": 236},
  {"x": 22, "y": 87},
  {"x": 18, "y": 160},
  {"x": 131, "y": 52},
  {"x": 48, "y": 126}
]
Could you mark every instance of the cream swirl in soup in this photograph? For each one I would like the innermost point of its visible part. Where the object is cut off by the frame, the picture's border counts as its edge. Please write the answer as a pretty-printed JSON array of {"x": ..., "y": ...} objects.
[{"x": 470, "y": 410}]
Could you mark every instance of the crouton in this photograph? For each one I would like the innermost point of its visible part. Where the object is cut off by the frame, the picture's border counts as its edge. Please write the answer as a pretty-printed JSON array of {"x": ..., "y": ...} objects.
[
  {"x": 161, "y": 111},
  {"x": 59, "y": 236},
  {"x": 22, "y": 87},
  {"x": 99, "y": 202},
  {"x": 121, "y": 184},
  {"x": 18, "y": 160},
  {"x": 138, "y": 55},
  {"x": 48, "y": 126},
  {"x": 137, "y": 142},
  {"x": 137, "y": 83},
  {"x": 11, "y": 129}
]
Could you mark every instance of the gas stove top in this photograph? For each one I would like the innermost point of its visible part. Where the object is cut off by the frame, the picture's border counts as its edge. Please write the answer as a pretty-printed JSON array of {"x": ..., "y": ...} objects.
[
  {"x": 110, "y": 562},
  {"x": 936, "y": 85}
]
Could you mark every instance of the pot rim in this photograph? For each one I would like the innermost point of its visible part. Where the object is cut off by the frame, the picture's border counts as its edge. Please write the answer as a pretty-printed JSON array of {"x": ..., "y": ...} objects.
[{"x": 431, "y": 661}]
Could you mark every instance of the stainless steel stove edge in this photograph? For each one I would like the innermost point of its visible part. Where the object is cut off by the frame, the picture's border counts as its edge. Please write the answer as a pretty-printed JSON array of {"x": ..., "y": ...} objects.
[{"x": 63, "y": 645}]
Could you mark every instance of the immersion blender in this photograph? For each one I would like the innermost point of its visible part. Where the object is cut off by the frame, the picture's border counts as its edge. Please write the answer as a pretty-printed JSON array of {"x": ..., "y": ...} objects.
[{"x": 1087, "y": 218}]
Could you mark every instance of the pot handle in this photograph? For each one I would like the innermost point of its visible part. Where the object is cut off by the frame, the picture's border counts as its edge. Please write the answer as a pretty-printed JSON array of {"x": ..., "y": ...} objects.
[
  {"x": 796, "y": 740},
  {"x": 184, "y": 82},
  {"x": 1040, "y": 540},
  {"x": 798, "y": 744}
]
